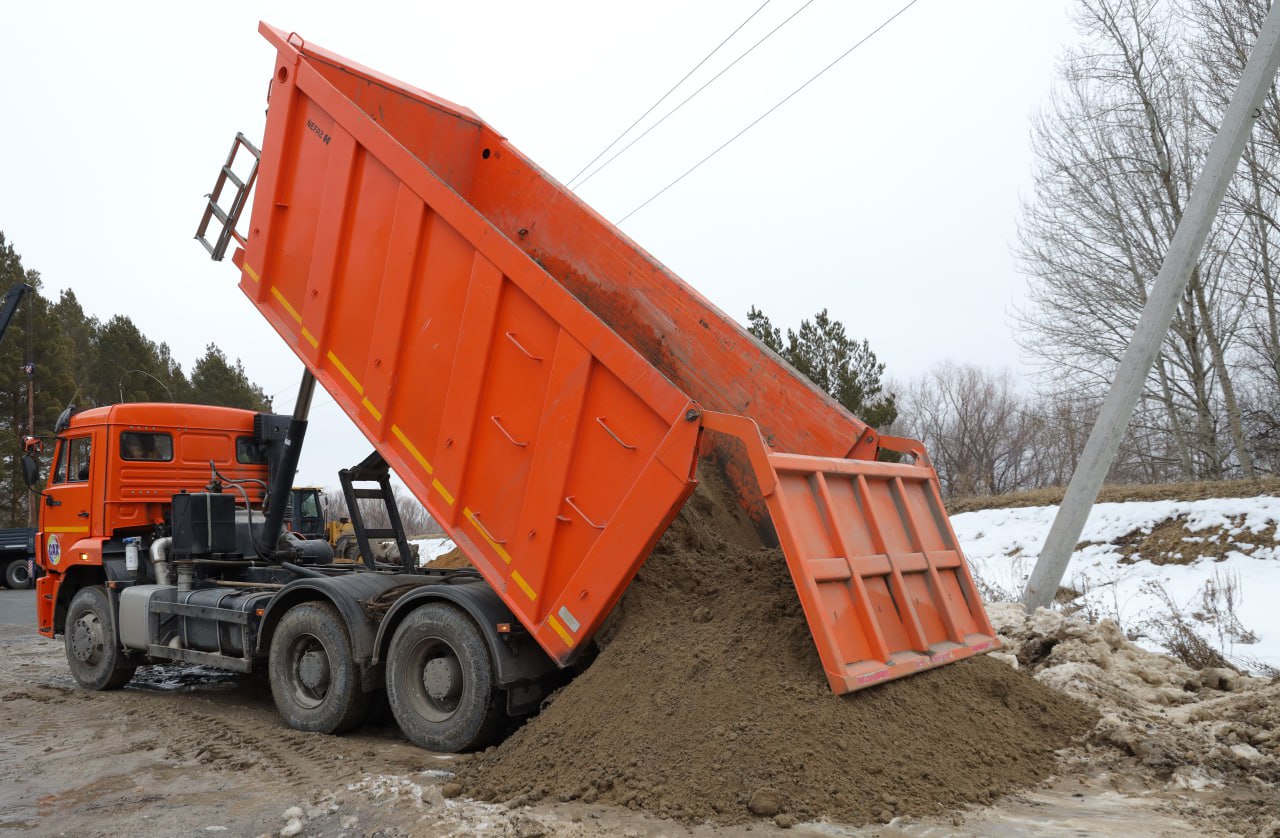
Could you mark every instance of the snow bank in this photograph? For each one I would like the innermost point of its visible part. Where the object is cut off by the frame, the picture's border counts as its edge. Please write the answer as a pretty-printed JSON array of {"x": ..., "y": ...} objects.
[
  {"x": 430, "y": 549},
  {"x": 1207, "y": 579}
]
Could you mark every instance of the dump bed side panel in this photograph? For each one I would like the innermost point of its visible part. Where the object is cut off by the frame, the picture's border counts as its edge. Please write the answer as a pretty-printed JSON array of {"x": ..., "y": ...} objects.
[
  {"x": 547, "y": 447},
  {"x": 700, "y": 348}
]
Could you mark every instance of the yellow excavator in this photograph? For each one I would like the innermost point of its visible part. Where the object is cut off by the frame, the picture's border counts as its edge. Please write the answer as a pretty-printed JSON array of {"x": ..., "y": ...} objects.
[{"x": 307, "y": 518}]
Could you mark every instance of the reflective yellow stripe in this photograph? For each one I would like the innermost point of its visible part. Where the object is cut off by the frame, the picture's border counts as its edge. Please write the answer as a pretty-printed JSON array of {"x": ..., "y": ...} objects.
[
  {"x": 444, "y": 493},
  {"x": 524, "y": 586},
  {"x": 411, "y": 448},
  {"x": 251, "y": 272},
  {"x": 309, "y": 338},
  {"x": 470, "y": 516},
  {"x": 66, "y": 529},
  {"x": 559, "y": 629},
  {"x": 293, "y": 312},
  {"x": 377, "y": 414},
  {"x": 346, "y": 373}
]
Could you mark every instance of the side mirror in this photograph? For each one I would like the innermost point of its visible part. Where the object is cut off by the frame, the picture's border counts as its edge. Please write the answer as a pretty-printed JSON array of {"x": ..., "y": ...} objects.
[
  {"x": 64, "y": 419},
  {"x": 30, "y": 471}
]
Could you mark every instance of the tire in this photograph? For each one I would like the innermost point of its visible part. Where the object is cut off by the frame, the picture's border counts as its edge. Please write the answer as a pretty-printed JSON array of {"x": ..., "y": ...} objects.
[
  {"x": 440, "y": 681},
  {"x": 93, "y": 650},
  {"x": 314, "y": 678},
  {"x": 16, "y": 575}
]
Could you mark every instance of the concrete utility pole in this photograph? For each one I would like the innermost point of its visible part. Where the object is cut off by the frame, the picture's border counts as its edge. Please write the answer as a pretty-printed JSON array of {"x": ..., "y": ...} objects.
[{"x": 1184, "y": 250}]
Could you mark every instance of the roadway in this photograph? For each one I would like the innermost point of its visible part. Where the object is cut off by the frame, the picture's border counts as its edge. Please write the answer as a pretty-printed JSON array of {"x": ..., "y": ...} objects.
[{"x": 18, "y": 608}]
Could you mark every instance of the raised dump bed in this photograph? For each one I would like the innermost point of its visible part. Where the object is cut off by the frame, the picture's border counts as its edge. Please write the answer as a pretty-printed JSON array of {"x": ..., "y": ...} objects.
[{"x": 542, "y": 384}]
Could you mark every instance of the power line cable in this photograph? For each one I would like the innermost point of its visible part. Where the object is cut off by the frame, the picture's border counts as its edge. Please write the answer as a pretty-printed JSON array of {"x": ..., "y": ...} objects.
[
  {"x": 757, "y": 120},
  {"x": 713, "y": 79},
  {"x": 673, "y": 89}
]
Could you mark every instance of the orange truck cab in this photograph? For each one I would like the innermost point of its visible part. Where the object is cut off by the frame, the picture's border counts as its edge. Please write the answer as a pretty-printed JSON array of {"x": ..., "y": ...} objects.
[
  {"x": 113, "y": 474},
  {"x": 153, "y": 547}
]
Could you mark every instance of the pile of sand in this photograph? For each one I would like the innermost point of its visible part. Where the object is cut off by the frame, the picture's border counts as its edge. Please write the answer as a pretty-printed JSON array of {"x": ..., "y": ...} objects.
[{"x": 708, "y": 702}]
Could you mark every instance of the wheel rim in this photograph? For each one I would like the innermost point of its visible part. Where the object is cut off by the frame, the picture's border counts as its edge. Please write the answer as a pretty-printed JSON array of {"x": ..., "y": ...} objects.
[
  {"x": 435, "y": 679},
  {"x": 87, "y": 644},
  {"x": 19, "y": 573},
  {"x": 309, "y": 671}
]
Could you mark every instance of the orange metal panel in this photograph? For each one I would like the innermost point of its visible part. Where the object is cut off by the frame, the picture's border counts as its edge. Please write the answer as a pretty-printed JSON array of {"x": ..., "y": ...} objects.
[{"x": 883, "y": 583}]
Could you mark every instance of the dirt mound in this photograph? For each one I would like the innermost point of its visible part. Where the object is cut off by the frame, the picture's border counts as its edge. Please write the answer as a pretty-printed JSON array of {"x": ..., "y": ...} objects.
[
  {"x": 708, "y": 702},
  {"x": 452, "y": 560}
]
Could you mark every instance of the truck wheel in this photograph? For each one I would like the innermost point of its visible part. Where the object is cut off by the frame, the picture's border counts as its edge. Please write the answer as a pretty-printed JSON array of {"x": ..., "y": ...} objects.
[
  {"x": 93, "y": 651},
  {"x": 16, "y": 575},
  {"x": 314, "y": 677},
  {"x": 440, "y": 682}
]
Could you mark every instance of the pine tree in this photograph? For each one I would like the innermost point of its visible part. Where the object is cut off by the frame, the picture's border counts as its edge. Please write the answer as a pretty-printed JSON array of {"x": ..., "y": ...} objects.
[
  {"x": 823, "y": 352},
  {"x": 215, "y": 381},
  {"x": 82, "y": 361},
  {"x": 130, "y": 367}
]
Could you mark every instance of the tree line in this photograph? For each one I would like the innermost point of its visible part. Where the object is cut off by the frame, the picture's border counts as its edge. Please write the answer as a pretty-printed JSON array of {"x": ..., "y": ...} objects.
[
  {"x": 1118, "y": 148},
  {"x": 82, "y": 360}
]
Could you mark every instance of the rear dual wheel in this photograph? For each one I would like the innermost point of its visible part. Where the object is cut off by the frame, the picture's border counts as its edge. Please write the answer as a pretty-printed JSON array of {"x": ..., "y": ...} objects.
[
  {"x": 440, "y": 681},
  {"x": 314, "y": 678}
]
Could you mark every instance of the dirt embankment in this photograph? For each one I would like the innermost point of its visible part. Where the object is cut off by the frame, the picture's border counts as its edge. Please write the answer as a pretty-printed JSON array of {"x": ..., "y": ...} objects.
[
  {"x": 709, "y": 702},
  {"x": 1123, "y": 493}
]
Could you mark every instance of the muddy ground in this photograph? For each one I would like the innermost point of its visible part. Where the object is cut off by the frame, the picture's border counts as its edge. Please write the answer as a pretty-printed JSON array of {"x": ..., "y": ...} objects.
[
  {"x": 188, "y": 751},
  {"x": 706, "y": 714}
]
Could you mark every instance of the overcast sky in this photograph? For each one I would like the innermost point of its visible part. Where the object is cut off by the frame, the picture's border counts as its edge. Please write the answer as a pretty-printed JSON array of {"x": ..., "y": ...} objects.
[{"x": 886, "y": 191}]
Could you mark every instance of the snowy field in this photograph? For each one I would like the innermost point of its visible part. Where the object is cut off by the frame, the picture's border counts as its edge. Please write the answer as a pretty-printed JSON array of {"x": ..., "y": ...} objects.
[{"x": 1219, "y": 574}]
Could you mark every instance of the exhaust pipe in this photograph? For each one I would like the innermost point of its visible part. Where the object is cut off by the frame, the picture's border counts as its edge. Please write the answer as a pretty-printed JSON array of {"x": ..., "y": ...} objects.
[{"x": 160, "y": 559}]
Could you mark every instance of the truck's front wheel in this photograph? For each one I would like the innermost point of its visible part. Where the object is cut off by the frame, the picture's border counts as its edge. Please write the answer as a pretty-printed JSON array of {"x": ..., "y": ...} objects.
[
  {"x": 314, "y": 677},
  {"x": 16, "y": 575},
  {"x": 93, "y": 651},
  {"x": 440, "y": 681}
]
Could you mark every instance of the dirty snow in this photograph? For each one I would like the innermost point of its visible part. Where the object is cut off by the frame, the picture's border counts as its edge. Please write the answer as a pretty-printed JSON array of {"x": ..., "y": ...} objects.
[{"x": 1003, "y": 545}]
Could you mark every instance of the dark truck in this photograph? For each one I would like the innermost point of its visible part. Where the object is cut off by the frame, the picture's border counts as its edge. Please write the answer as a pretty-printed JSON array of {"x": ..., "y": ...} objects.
[{"x": 17, "y": 547}]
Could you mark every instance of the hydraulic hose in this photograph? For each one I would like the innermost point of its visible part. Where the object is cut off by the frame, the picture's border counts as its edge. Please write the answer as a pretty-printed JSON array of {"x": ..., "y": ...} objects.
[{"x": 303, "y": 571}]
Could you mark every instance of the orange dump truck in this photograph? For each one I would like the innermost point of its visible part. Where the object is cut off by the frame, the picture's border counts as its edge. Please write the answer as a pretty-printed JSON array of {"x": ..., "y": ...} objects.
[{"x": 545, "y": 388}]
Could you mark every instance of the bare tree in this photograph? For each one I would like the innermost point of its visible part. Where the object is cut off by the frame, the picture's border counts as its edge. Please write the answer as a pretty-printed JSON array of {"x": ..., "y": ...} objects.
[
  {"x": 1225, "y": 31},
  {"x": 1118, "y": 149},
  {"x": 977, "y": 428}
]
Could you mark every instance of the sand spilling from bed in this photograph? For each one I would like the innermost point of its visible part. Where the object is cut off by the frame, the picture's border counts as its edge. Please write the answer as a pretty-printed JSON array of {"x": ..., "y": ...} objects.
[{"x": 708, "y": 702}]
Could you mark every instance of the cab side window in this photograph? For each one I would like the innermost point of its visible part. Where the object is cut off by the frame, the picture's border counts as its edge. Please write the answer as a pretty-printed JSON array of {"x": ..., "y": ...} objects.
[
  {"x": 249, "y": 451},
  {"x": 60, "y": 469},
  {"x": 78, "y": 461},
  {"x": 139, "y": 446},
  {"x": 73, "y": 460}
]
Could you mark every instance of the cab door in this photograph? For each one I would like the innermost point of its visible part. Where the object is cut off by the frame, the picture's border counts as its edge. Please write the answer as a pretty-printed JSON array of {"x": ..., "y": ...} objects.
[{"x": 67, "y": 514}]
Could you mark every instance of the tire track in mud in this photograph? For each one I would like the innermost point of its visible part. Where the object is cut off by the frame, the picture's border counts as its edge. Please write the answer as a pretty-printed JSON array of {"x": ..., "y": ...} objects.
[
  {"x": 231, "y": 731},
  {"x": 188, "y": 716}
]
